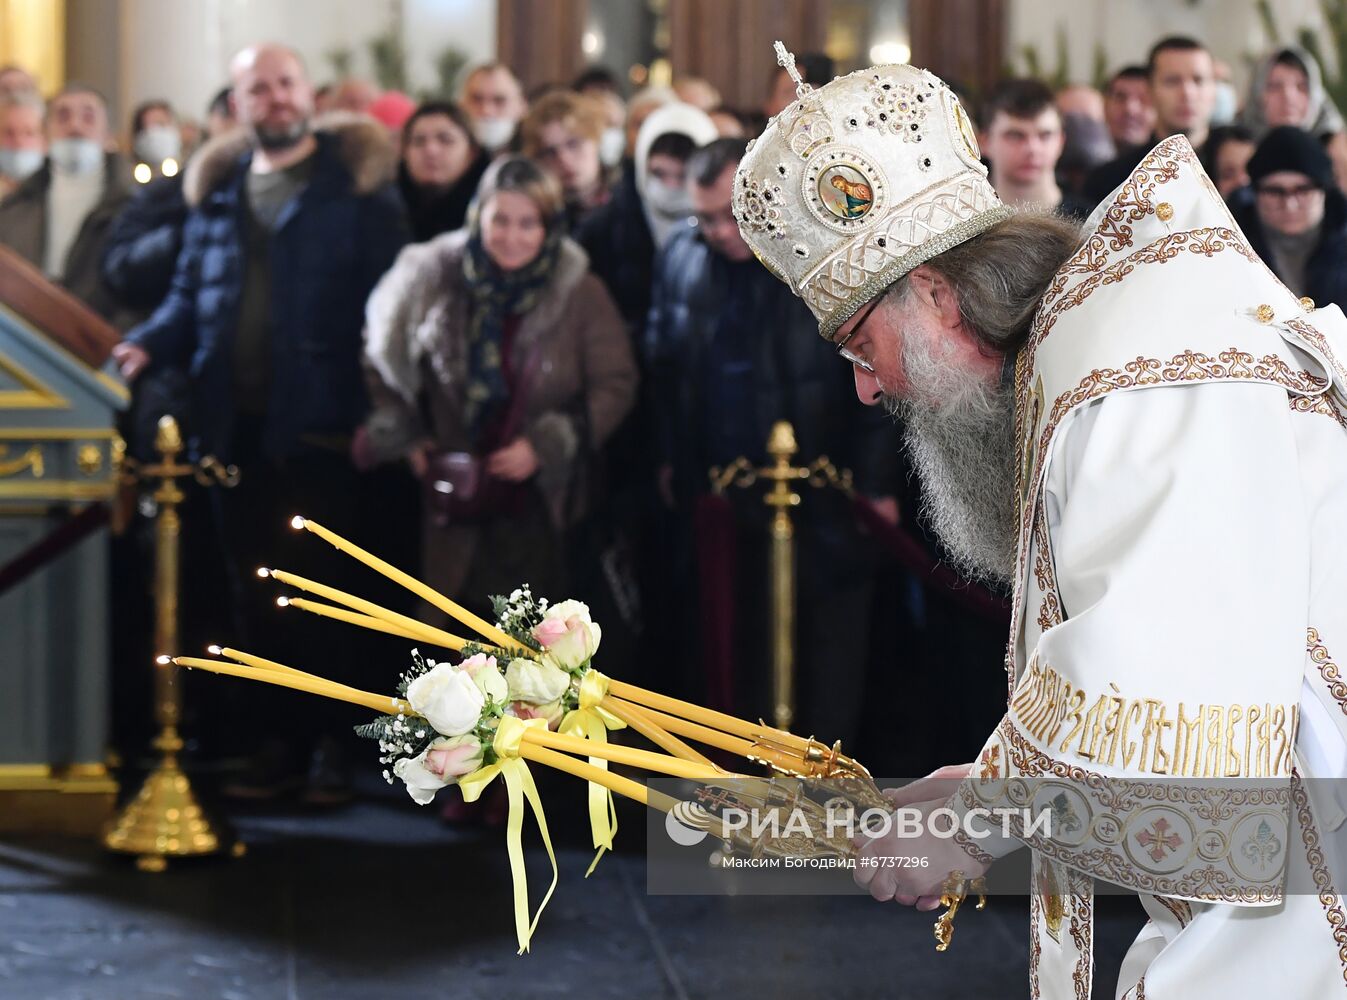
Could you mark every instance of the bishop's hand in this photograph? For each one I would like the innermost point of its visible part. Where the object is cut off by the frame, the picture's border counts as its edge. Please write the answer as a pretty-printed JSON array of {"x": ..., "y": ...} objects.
[{"x": 909, "y": 859}]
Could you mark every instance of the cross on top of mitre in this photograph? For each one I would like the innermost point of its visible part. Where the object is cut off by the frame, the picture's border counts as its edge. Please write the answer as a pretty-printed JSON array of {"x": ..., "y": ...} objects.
[{"x": 787, "y": 62}]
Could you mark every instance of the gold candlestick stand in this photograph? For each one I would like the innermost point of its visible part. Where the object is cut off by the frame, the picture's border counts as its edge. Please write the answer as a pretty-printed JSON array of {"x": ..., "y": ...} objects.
[
  {"x": 165, "y": 820},
  {"x": 783, "y": 476}
]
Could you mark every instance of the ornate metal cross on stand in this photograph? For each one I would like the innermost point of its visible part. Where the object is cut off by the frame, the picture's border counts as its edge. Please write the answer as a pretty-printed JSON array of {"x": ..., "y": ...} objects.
[
  {"x": 783, "y": 475},
  {"x": 165, "y": 819}
]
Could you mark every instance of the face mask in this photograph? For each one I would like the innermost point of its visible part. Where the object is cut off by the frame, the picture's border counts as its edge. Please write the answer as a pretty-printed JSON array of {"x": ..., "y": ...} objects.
[
  {"x": 158, "y": 143},
  {"x": 493, "y": 133},
  {"x": 1227, "y": 101},
  {"x": 612, "y": 144},
  {"x": 76, "y": 156},
  {"x": 18, "y": 164},
  {"x": 674, "y": 202}
]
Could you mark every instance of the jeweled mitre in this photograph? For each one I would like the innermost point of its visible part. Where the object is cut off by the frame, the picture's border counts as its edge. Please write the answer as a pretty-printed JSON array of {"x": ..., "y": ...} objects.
[{"x": 856, "y": 183}]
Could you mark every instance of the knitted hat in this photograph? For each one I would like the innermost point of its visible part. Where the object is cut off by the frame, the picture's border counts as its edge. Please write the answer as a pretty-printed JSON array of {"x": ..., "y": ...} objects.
[{"x": 1293, "y": 149}]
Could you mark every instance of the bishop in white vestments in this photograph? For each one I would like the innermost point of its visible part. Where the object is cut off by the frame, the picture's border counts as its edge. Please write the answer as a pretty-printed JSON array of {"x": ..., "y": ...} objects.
[{"x": 1143, "y": 433}]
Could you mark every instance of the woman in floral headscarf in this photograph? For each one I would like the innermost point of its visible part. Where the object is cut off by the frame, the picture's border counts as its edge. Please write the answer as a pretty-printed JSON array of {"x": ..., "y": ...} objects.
[{"x": 493, "y": 347}]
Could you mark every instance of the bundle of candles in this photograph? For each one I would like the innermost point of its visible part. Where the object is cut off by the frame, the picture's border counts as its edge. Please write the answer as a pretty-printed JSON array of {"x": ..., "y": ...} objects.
[{"x": 525, "y": 691}]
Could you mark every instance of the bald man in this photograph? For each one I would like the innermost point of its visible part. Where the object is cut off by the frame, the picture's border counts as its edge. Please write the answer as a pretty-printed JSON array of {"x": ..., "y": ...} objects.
[{"x": 291, "y": 226}]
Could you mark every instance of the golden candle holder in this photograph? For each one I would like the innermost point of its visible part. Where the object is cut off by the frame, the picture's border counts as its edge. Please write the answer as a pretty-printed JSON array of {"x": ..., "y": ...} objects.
[
  {"x": 783, "y": 475},
  {"x": 165, "y": 819}
]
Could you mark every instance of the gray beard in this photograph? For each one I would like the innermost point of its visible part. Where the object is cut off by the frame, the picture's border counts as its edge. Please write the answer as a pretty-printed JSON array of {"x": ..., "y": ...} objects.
[{"x": 963, "y": 450}]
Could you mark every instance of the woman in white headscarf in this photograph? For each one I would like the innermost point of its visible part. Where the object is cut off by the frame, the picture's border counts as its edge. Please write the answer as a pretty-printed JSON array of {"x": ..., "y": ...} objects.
[
  {"x": 659, "y": 173},
  {"x": 1288, "y": 89},
  {"x": 650, "y": 204}
]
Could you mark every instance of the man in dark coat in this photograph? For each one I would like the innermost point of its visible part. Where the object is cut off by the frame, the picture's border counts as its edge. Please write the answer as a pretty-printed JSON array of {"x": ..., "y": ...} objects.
[
  {"x": 726, "y": 343},
  {"x": 290, "y": 229},
  {"x": 1182, "y": 79},
  {"x": 58, "y": 218},
  {"x": 143, "y": 244}
]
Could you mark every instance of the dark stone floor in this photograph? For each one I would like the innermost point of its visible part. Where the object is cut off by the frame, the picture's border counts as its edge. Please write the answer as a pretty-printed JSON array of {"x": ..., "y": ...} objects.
[{"x": 381, "y": 900}]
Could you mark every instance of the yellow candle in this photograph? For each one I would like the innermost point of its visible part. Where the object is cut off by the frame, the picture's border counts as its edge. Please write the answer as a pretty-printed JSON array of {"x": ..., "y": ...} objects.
[
  {"x": 643, "y": 724},
  {"x": 359, "y": 604},
  {"x": 297, "y": 682},
  {"x": 705, "y": 716},
  {"x": 426, "y": 633},
  {"x": 248, "y": 659},
  {"x": 584, "y": 769},
  {"x": 695, "y": 731},
  {"x": 479, "y": 625},
  {"x": 631, "y": 756}
]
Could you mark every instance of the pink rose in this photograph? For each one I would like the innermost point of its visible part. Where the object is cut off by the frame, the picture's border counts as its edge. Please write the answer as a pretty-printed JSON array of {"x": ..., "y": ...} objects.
[
  {"x": 476, "y": 662},
  {"x": 455, "y": 760},
  {"x": 486, "y": 675},
  {"x": 552, "y": 712},
  {"x": 549, "y": 630}
]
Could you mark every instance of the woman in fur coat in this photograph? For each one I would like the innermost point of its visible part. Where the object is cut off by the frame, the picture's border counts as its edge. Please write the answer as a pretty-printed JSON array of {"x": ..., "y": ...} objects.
[{"x": 496, "y": 356}]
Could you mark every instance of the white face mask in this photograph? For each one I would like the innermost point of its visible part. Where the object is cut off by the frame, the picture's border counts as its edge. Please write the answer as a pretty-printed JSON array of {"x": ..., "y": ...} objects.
[
  {"x": 612, "y": 144},
  {"x": 668, "y": 200},
  {"x": 76, "y": 156},
  {"x": 493, "y": 133},
  {"x": 1227, "y": 104},
  {"x": 158, "y": 143},
  {"x": 18, "y": 164}
]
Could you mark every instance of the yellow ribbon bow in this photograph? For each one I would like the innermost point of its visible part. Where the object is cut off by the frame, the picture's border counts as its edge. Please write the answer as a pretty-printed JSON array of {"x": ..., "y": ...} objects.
[
  {"x": 515, "y": 770},
  {"x": 592, "y": 722}
]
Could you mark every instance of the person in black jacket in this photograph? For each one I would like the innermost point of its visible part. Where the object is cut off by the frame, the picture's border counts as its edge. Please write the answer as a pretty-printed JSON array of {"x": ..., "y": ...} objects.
[
  {"x": 143, "y": 243},
  {"x": 442, "y": 164},
  {"x": 732, "y": 352},
  {"x": 292, "y": 224},
  {"x": 1295, "y": 216}
]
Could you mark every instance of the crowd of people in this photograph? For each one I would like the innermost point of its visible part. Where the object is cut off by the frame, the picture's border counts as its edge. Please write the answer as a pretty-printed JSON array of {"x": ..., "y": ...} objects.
[{"x": 503, "y": 338}]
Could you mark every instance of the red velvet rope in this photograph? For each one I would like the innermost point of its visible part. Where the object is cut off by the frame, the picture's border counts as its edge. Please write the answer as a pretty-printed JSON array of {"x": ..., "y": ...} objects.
[{"x": 63, "y": 537}]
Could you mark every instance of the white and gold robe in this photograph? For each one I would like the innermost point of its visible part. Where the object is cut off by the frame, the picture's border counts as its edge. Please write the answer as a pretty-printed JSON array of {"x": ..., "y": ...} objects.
[{"x": 1180, "y": 602}]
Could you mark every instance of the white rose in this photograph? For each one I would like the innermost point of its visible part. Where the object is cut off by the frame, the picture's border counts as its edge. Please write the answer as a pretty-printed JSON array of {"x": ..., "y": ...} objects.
[
  {"x": 422, "y": 784},
  {"x": 487, "y": 675},
  {"x": 534, "y": 682},
  {"x": 492, "y": 683},
  {"x": 449, "y": 699}
]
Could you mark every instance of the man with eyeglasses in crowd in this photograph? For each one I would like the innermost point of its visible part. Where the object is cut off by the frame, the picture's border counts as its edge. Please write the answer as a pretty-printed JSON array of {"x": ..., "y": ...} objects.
[
  {"x": 1297, "y": 218},
  {"x": 731, "y": 351}
]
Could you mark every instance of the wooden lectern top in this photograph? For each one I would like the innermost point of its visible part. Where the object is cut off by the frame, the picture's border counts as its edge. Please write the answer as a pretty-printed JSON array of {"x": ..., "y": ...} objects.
[{"x": 51, "y": 309}]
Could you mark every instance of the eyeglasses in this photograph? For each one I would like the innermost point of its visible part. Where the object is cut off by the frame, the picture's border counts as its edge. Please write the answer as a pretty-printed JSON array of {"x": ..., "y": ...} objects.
[
  {"x": 1282, "y": 194},
  {"x": 846, "y": 353}
]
